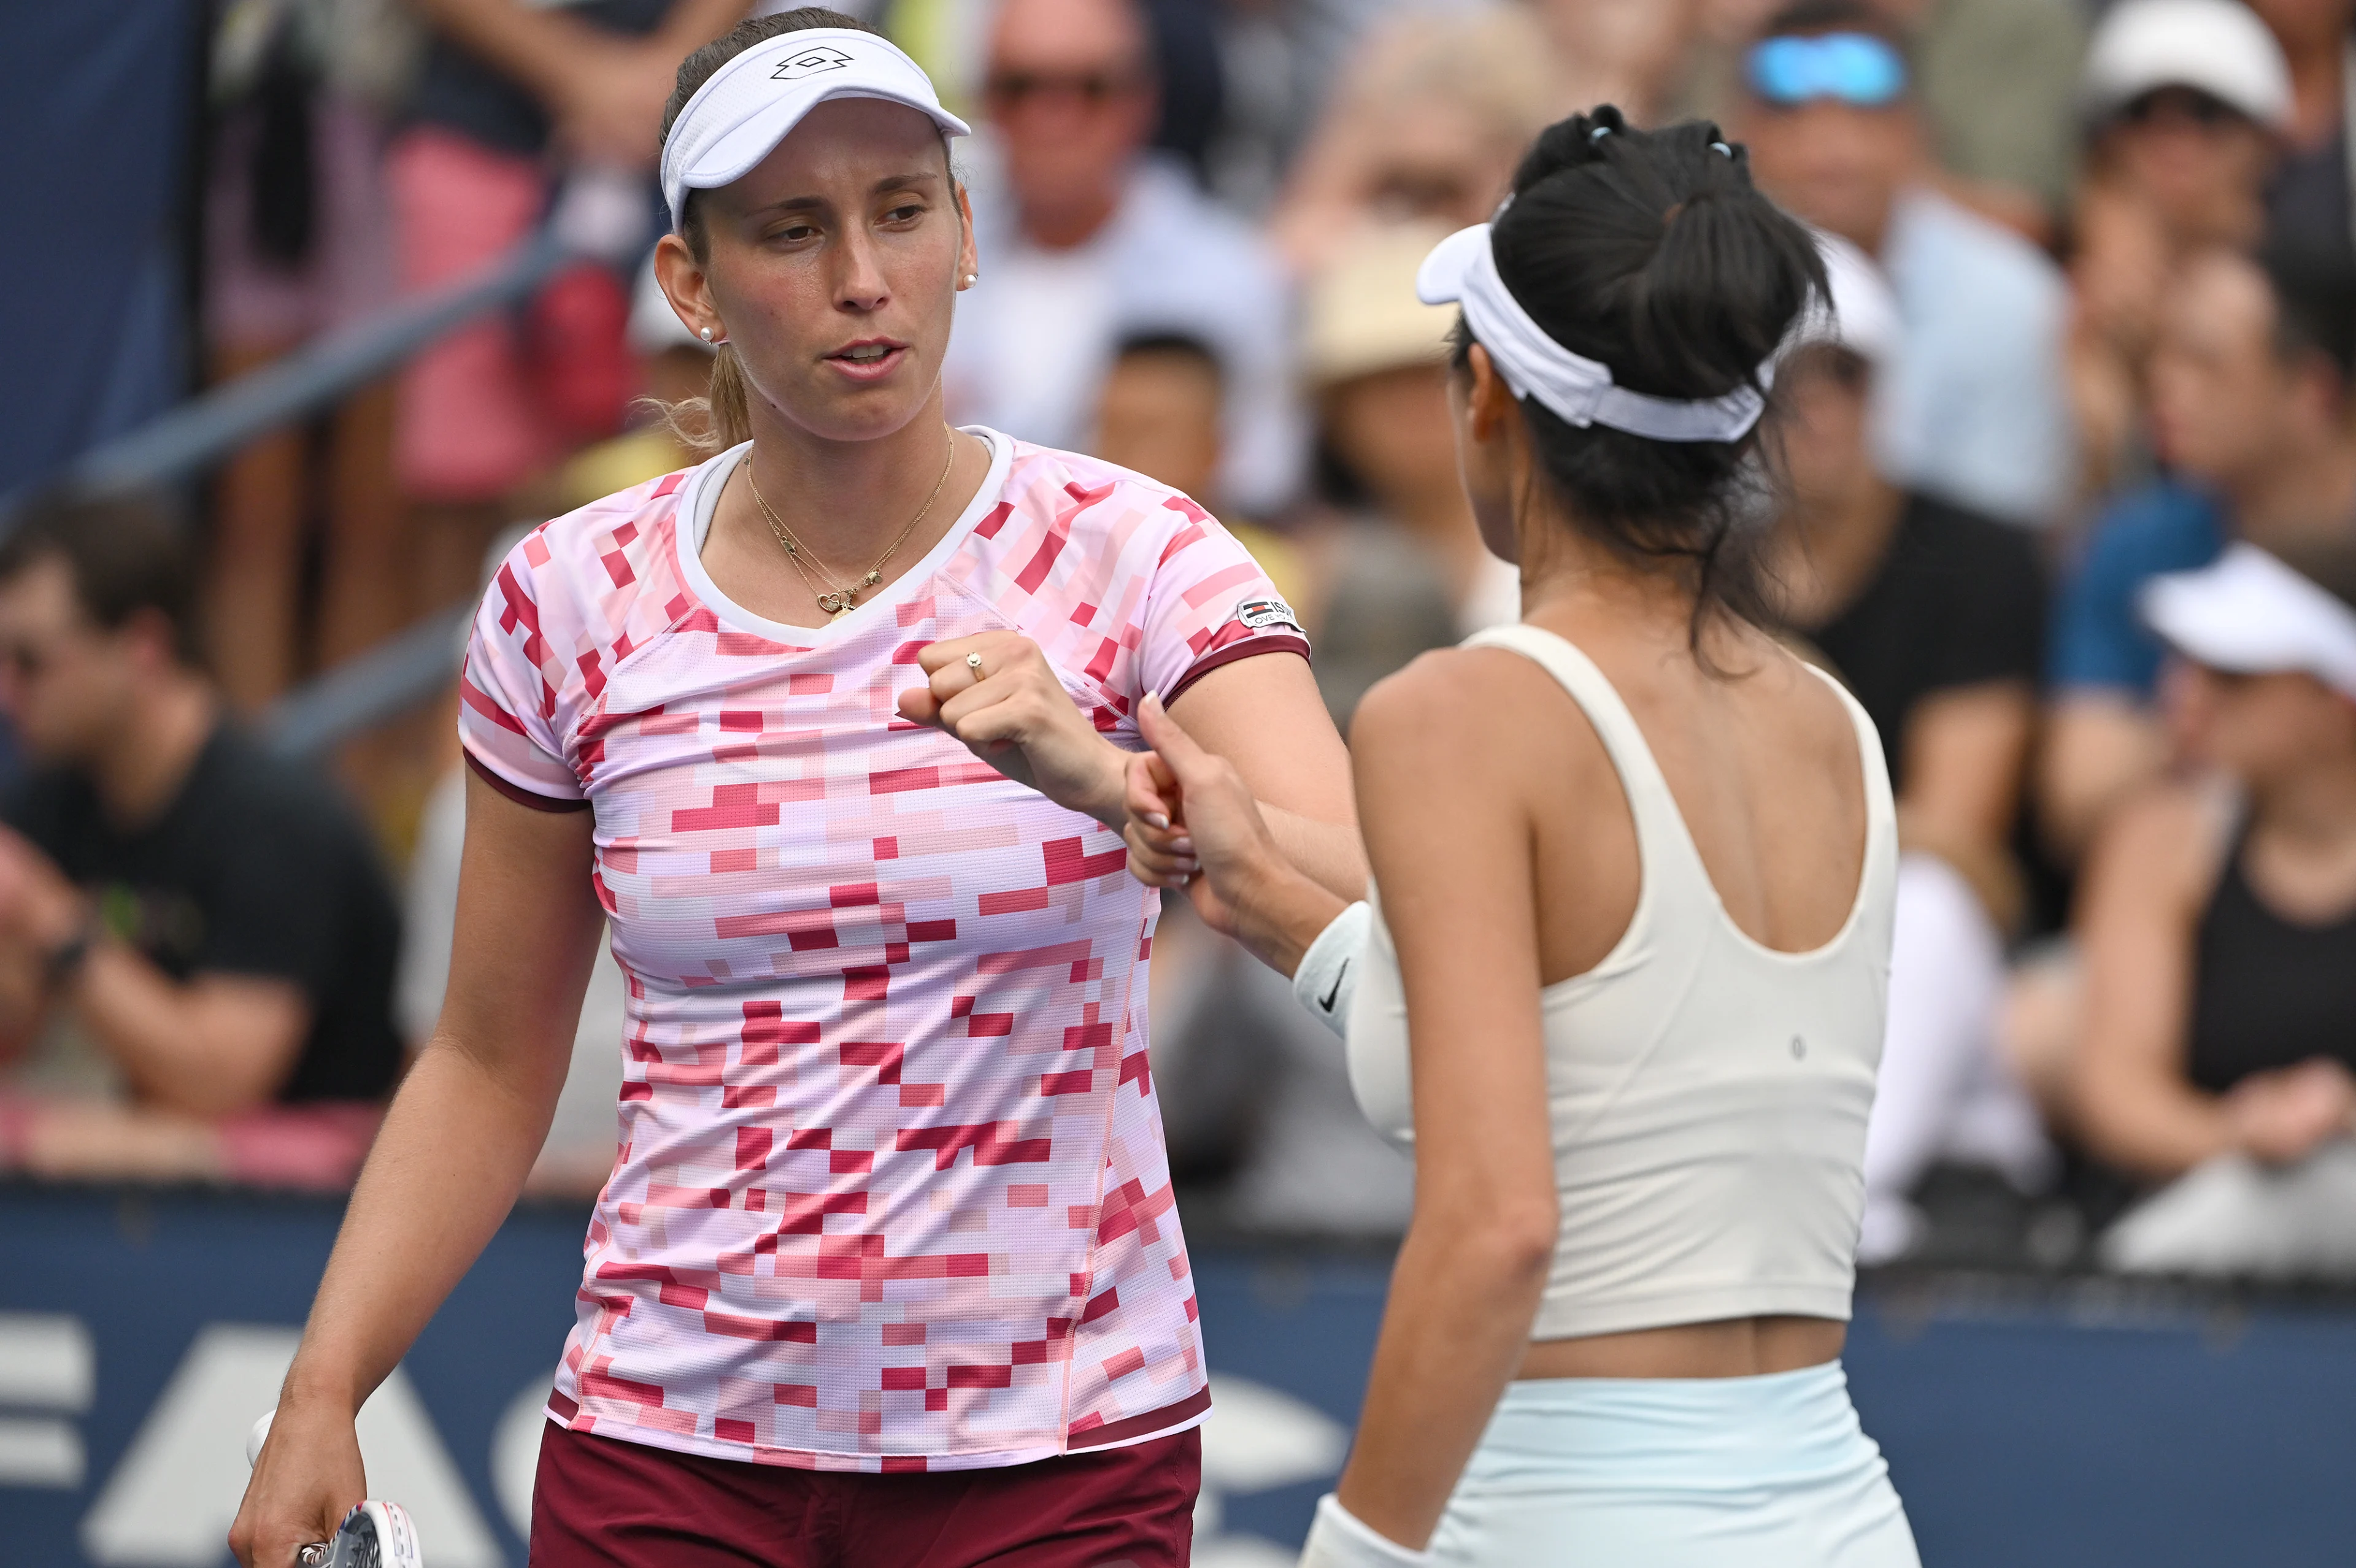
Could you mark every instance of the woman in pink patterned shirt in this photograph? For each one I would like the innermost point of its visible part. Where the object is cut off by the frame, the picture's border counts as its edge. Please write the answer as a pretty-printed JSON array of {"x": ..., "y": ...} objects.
[{"x": 831, "y": 730}]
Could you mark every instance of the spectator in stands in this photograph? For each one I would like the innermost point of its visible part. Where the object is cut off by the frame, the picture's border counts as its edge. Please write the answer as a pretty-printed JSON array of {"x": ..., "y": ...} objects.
[
  {"x": 2183, "y": 100},
  {"x": 1996, "y": 80},
  {"x": 507, "y": 90},
  {"x": 2219, "y": 929},
  {"x": 1627, "y": 52},
  {"x": 298, "y": 243},
  {"x": 668, "y": 431},
  {"x": 1398, "y": 565},
  {"x": 2249, "y": 402},
  {"x": 1424, "y": 123},
  {"x": 1278, "y": 59},
  {"x": 1932, "y": 616},
  {"x": 1975, "y": 414},
  {"x": 209, "y": 921},
  {"x": 1090, "y": 240},
  {"x": 2308, "y": 206},
  {"x": 1163, "y": 412}
]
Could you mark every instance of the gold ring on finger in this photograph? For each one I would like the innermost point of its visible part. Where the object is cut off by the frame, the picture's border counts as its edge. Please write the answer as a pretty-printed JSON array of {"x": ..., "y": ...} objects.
[{"x": 973, "y": 663}]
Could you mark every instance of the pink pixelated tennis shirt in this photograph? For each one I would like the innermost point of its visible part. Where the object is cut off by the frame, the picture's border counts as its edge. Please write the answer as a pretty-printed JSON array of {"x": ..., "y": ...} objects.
[{"x": 890, "y": 1190}]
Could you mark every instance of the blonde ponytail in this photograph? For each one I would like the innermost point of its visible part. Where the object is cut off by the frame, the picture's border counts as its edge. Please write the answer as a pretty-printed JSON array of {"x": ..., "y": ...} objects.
[
  {"x": 718, "y": 419},
  {"x": 725, "y": 406}
]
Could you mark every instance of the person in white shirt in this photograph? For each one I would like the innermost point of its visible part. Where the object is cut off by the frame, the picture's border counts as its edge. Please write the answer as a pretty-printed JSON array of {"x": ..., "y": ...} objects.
[
  {"x": 1976, "y": 415},
  {"x": 1092, "y": 240}
]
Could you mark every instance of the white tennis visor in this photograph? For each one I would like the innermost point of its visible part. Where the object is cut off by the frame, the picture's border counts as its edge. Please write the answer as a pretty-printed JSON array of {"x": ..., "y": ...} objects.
[
  {"x": 1462, "y": 270},
  {"x": 739, "y": 116},
  {"x": 2250, "y": 614}
]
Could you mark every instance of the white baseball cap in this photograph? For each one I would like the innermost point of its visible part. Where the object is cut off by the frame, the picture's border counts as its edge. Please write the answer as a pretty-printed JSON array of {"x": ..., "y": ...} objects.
[
  {"x": 2251, "y": 614},
  {"x": 2216, "y": 47},
  {"x": 738, "y": 117},
  {"x": 1863, "y": 314}
]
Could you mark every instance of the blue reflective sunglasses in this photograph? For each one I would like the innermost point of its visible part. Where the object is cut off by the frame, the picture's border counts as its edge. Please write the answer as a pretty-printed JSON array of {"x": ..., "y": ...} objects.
[{"x": 1855, "y": 68}]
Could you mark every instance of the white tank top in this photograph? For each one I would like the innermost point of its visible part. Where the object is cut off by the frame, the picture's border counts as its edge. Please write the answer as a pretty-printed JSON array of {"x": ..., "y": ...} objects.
[{"x": 1708, "y": 1094}]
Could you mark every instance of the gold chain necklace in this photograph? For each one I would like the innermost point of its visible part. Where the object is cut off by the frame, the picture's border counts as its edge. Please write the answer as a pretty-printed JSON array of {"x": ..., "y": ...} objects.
[{"x": 839, "y": 601}]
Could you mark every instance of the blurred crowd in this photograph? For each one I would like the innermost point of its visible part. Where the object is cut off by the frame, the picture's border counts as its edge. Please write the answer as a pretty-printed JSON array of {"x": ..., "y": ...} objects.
[{"x": 2066, "y": 493}]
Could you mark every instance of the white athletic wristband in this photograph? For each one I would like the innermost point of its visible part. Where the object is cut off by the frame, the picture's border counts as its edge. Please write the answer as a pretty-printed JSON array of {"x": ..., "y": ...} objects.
[
  {"x": 1340, "y": 1539},
  {"x": 1328, "y": 976}
]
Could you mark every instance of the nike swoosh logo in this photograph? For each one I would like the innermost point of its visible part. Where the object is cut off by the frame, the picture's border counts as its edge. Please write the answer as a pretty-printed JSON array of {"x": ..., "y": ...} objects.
[{"x": 1327, "y": 1005}]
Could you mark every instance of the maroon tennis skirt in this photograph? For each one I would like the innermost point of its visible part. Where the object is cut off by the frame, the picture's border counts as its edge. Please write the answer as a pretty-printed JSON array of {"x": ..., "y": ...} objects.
[{"x": 600, "y": 1502}]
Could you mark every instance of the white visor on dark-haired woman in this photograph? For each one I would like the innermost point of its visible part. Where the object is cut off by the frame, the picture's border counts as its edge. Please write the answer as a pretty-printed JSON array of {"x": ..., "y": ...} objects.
[
  {"x": 1462, "y": 270},
  {"x": 2250, "y": 614},
  {"x": 739, "y": 116}
]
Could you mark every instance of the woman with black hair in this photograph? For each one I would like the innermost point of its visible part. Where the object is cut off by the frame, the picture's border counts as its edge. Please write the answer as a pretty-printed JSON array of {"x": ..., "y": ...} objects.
[{"x": 1624, "y": 980}]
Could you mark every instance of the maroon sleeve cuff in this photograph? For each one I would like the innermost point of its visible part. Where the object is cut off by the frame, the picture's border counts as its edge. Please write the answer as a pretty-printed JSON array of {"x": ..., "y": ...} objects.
[
  {"x": 520, "y": 795},
  {"x": 1279, "y": 643}
]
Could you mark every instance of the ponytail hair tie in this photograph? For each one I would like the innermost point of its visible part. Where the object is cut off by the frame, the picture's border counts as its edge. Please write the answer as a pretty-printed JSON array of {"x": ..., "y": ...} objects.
[
  {"x": 1721, "y": 149},
  {"x": 1598, "y": 132}
]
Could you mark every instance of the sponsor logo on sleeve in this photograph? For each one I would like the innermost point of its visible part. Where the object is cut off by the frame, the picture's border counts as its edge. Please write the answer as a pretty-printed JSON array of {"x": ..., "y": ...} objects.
[{"x": 1258, "y": 614}]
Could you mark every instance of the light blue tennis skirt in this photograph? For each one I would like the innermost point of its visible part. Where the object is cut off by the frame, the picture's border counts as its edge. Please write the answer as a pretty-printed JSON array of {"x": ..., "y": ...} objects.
[{"x": 1765, "y": 1472}]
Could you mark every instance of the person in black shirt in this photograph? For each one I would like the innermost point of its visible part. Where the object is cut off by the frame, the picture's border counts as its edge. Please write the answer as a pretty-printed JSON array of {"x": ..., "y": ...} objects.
[
  {"x": 210, "y": 916},
  {"x": 2218, "y": 925},
  {"x": 1932, "y": 615}
]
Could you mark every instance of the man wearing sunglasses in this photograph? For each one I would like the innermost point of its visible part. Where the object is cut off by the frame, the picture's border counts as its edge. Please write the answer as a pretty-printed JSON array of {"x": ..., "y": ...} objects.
[
  {"x": 1087, "y": 239},
  {"x": 207, "y": 917},
  {"x": 1973, "y": 410}
]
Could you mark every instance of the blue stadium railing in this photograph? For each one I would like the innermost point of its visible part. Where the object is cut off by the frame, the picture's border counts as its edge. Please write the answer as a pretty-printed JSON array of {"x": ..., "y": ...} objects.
[{"x": 202, "y": 432}]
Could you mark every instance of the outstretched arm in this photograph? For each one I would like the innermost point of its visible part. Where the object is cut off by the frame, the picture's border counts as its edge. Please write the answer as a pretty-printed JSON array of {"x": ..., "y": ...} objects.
[
  {"x": 1193, "y": 823},
  {"x": 603, "y": 89},
  {"x": 1449, "y": 829},
  {"x": 1261, "y": 715},
  {"x": 446, "y": 1168}
]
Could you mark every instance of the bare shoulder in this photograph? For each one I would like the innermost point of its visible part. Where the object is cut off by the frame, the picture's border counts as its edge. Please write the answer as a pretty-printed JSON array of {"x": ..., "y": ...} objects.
[
  {"x": 1435, "y": 687},
  {"x": 1456, "y": 706},
  {"x": 1481, "y": 731},
  {"x": 1801, "y": 692}
]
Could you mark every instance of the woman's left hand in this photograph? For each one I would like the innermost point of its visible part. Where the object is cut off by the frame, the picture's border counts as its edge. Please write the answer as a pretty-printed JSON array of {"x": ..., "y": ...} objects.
[
  {"x": 1012, "y": 711},
  {"x": 2283, "y": 1114}
]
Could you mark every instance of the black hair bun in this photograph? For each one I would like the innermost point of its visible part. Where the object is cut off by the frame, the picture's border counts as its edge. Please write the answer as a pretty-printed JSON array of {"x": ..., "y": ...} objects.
[
  {"x": 1569, "y": 144},
  {"x": 1651, "y": 252}
]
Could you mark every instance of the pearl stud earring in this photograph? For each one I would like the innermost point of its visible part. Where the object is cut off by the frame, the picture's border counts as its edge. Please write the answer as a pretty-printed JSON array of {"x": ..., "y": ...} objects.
[
  {"x": 707, "y": 334},
  {"x": 971, "y": 277}
]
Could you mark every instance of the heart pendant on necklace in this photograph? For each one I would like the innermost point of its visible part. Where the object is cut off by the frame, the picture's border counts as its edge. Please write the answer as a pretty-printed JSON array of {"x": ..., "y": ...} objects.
[{"x": 837, "y": 605}]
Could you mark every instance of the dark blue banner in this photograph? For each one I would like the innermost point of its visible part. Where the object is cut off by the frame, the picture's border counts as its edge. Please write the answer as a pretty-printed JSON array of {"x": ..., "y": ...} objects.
[
  {"x": 97, "y": 107},
  {"x": 2066, "y": 1425}
]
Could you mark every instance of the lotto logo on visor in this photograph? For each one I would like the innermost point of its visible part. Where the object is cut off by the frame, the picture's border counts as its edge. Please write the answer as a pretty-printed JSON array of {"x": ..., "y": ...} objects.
[
  {"x": 810, "y": 62},
  {"x": 1259, "y": 613},
  {"x": 754, "y": 100}
]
